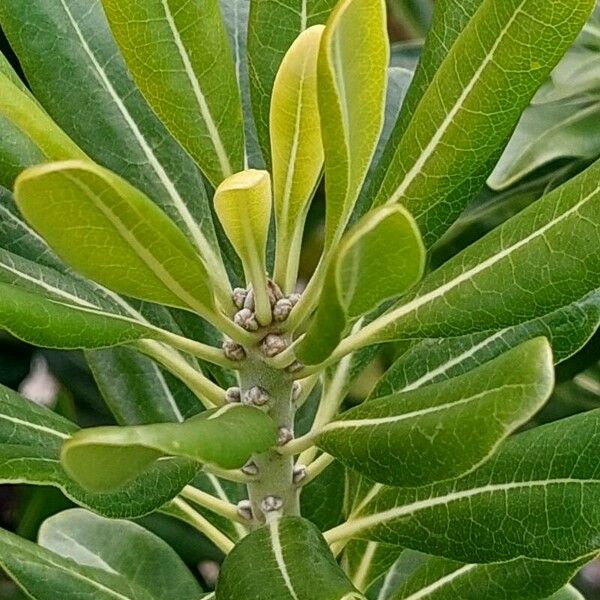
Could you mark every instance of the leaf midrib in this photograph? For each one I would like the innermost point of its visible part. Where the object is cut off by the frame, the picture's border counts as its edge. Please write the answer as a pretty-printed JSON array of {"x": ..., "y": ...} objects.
[
  {"x": 213, "y": 131},
  {"x": 363, "y": 523},
  {"x": 139, "y": 247},
  {"x": 388, "y": 319},
  {"x": 428, "y": 152},
  {"x": 197, "y": 235},
  {"x": 374, "y": 422}
]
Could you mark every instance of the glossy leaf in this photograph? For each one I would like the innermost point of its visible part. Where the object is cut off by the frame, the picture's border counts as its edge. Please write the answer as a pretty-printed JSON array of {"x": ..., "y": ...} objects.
[
  {"x": 29, "y": 136},
  {"x": 449, "y": 18},
  {"x": 44, "y": 575},
  {"x": 51, "y": 323},
  {"x": 366, "y": 562},
  {"x": 136, "y": 390},
  {"x": 414, "y": 15},
  {"x": 283, "y": 548},
  {"x": 268, "y": 43},
  {"x": 225, "y": 437},
  {"x": 548, "y": 133},
  {"x": 322, "y": 499},
  {"x": 352, "y": 76},
  {"x": 508, "y": 508},
  {"x": 236, "y": 15},
  {"x": 380, "y": 258},
  {"x": 243, "y": 204},
  {"x": 435, "y": 169},
  {"x": 195, "y": 95},
  {"x": 8, "y": 71},
  {"x": 30, "y": 440},
  {"x": 112, "y": 233},
  {"x": 557, "y": 234},
  {"x": 297, "y": 149},
  {"x": 434, "y": 360},
  {"x": 119, "y": 547},
  {"x": 567, "y": 593},
  {"x": 93, "y": 98},
  {"x": 436, "y": 578},
  {"x": 445, "y": 429}
]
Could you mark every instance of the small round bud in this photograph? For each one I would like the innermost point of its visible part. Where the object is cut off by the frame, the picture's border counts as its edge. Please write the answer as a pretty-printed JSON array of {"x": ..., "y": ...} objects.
[
  {"x": 244, "y": 509},
  {"x": 246, "y": 319},
  {"x": 282, "y": 309},
  {"x": 295, "y": 367},
  {"x": 249, "y": 301},
  {"x": 271, "y": 504},
  {"x": 233, "y": 395},
  {"x": 284, "y": 435},
  {"x": 272, "y": 345},
  {"x": 250, "y": 469},
  {"x": 296, "y": 391},
  {"x": 233, "y": 351},
  {"x": 239, "y": 297},
  {"x": 294, "y": 299},
  {"x": 255, "y": 396},
  {"x": 299, "y": 473},
  {"x": 274, "y": 292}
]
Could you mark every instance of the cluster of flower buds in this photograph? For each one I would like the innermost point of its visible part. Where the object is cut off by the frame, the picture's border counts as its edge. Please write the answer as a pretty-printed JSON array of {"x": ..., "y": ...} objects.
[{"x": 281, "y": 306}]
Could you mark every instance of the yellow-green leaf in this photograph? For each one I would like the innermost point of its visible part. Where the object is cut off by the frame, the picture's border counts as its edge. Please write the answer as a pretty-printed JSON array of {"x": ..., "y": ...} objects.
[
  {"x": 243, "y": 204},
  {"x": 27, "y": 133},
  {"x": 297, "y": 149},
  {"x": 179, "y": 55},
  {"x": 111, "y": 232},
  {"x": 381, "y": 257},
  {"x": 105, "y": 458},
  {"x": 352, "y": 71}
]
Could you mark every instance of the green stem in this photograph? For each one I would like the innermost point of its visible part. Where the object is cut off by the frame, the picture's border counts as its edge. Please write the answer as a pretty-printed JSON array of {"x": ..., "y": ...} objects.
[
  {"x": 202, "y": 351},
  {"x": 219, "y": 539},
  {"x": 317, "y": 467},
  {"x": 209, "y": 393},
  {"x": 212, "y": 503},
  {"x": 275, "y": 471}
]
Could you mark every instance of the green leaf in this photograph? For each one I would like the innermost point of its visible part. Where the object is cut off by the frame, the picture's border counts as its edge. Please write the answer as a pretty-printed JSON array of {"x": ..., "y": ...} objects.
[
  {"x": 322, "y": 498},
  {"x": 268, "y": 42},
  {"x": 352, "y": 84},
  {"x": 546, "y": 133},
  {"x": 93, "y": 98},
  {"x": 435, "y": 168},
  {"x": 508, "y": 508},
  {"x": 283, "y": 548},
  {"x": 31, "y": 437},
  {"x": 366, "y": 562},
  {"x": 122, "y": 547},
  {"x": 243, "y": 204},
  {"x": 136, "y": 390},
  {"x": 567, "y": 593},
  {"x": 297, "y": 149},
  {"x": 436, "y": 578},
  {"x": 235, "y": 16},
  {"x": 54, "y": 324},
  {"x": 429, "y": 361},
  {"x": 225, "y": 437},
  {"x": 449, "y": 18},
  {"x": 28, "y": 134},
  {"x": 112, "y": 233},
  {"x": 380, "y": 258},
  {"x": 414, "y": 15},
  {"x": 170, "y": 48},
  {"x": 7, "y": 70},
  {"x": 446, "y": 429},
  {"x": 44, "y": 575},
  {"x": 558, "y": 234}
]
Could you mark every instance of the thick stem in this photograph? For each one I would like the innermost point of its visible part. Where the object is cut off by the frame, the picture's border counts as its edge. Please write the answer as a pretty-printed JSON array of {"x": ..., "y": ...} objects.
[{"x": 275, "y": 472}]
